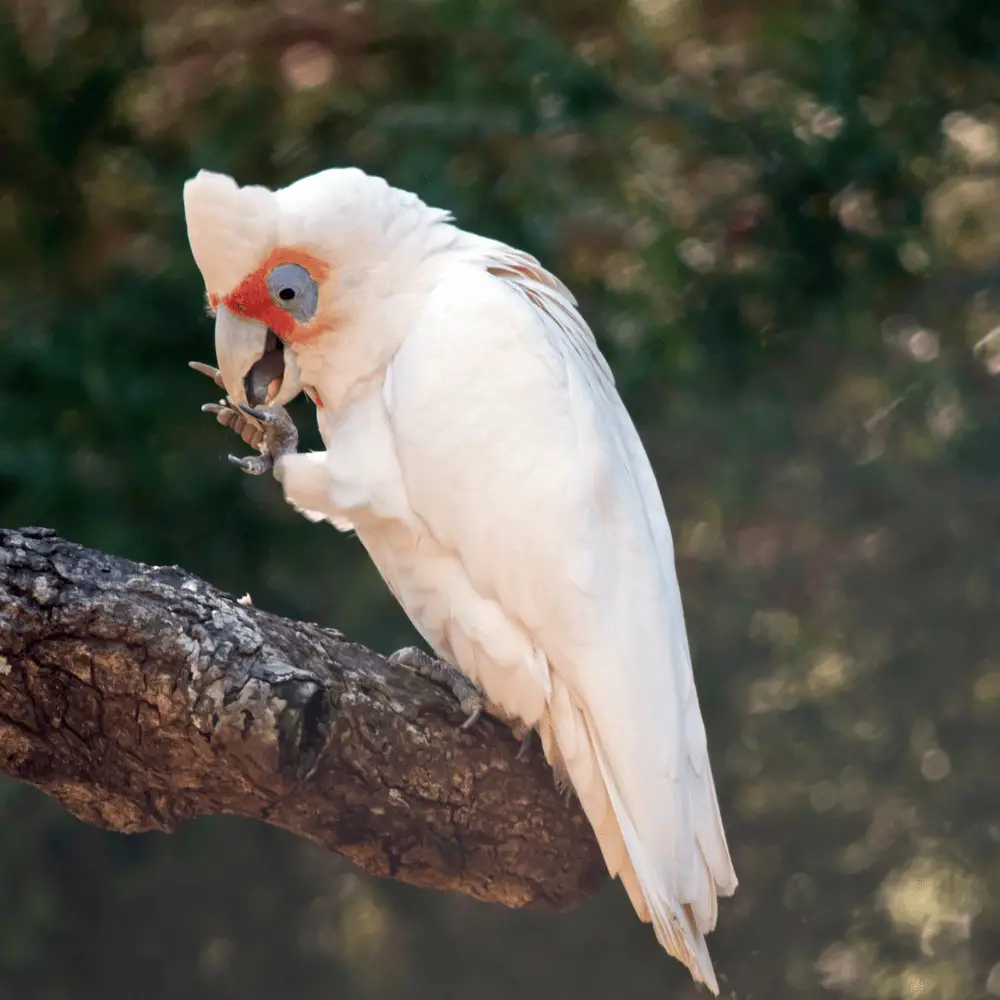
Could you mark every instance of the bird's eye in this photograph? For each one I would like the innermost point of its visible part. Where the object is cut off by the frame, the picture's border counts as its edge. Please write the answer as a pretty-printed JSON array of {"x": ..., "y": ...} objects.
[{"x": 292, "y": 287}]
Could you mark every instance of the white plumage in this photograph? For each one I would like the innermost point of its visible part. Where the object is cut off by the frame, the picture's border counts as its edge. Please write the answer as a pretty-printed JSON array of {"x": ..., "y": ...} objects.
[{"x": 476, "y": 443}]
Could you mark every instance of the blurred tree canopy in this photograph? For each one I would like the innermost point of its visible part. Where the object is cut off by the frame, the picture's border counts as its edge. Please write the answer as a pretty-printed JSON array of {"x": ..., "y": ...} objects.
[{"x": 783, "y": 223}]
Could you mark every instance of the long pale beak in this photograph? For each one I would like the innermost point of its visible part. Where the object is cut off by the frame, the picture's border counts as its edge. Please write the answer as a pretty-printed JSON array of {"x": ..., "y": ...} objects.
[{"x": 255, "y": 366}]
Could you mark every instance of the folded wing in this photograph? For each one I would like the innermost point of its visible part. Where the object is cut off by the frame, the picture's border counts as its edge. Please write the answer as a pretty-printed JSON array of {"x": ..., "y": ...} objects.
[{"x": 519, "y": 457}]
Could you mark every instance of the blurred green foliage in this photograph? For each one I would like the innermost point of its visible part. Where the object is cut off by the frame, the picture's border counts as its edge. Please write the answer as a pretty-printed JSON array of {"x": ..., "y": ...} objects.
[{"x": 783, "y": 223}]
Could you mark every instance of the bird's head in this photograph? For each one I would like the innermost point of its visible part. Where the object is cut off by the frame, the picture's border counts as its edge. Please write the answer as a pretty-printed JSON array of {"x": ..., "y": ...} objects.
[
  {"x": 267, "y": 284},
  {"x": 319, "y": 271}
]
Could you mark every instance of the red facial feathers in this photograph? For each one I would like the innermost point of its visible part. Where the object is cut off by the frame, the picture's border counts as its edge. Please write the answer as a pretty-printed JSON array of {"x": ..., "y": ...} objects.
[{"x": 251, "y": 298}]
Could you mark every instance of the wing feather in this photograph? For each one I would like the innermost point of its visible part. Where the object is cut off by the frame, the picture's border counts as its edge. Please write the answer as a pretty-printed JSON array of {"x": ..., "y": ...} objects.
[{"x": 519, "y": 457}]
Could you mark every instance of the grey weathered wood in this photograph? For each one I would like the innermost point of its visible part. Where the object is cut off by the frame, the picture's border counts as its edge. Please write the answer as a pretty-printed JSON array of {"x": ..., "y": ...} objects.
[{"x": 141, "y": 697}]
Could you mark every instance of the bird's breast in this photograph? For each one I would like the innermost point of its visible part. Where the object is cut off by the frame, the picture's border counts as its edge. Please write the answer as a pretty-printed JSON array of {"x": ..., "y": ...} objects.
[{"x": 365, "y": 479}]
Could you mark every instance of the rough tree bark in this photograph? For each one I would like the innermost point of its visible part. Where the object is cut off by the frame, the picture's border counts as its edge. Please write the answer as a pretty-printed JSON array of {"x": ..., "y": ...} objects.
[{"x": 140, "y": 697}]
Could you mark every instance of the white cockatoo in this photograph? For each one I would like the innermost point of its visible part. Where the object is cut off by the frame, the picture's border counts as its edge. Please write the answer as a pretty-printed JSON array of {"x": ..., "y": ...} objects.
[{"x": 476, "y": 443}]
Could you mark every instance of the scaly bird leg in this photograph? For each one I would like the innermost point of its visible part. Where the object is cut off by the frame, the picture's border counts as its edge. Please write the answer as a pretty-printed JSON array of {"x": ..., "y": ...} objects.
[
  {"x": 469, "y": 697},
  {"x": 280, "y": 438}
]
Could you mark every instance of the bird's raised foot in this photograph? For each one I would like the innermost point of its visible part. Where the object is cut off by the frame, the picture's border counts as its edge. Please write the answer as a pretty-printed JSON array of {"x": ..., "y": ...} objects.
[
  {"x": 268, "y": 429},
  {"x": 469, "y": 697}
]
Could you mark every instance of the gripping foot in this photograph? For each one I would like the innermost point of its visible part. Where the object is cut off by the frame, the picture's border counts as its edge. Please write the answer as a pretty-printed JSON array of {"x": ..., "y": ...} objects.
[{"x": 469, "y": 696}]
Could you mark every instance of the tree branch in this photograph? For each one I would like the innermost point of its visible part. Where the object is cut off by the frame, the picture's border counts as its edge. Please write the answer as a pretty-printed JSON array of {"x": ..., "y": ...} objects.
[{"x": 140, "y": 697}]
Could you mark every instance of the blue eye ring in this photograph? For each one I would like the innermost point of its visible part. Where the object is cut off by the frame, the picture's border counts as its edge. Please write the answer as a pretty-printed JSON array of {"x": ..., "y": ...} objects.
[{"x": 293, "y": 289}]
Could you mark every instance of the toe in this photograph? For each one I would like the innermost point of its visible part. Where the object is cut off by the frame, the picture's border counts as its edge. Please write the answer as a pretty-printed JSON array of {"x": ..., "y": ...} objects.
[
  {"x": 255, "y": 465},
  {"x": 252, "y": 435},
  {"x": 230, "y": 418},
  {"x": 410, "y": 656}
]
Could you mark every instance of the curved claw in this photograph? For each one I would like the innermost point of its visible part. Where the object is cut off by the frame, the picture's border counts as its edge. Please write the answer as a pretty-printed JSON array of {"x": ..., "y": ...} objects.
[
  {"x": 473, "y": 718},
  {"x": 255, "y": 465},
  {"x": 264, "y": 416},
  {"x": 213, "y": 407}
]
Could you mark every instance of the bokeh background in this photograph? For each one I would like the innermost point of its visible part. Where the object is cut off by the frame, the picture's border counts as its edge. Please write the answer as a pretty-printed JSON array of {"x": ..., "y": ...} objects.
[{"x": 783, "y": 222}]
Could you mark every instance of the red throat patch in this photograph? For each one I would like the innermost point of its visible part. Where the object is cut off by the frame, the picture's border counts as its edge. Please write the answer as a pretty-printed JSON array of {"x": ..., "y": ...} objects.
[{"x": 251, "y": 298}]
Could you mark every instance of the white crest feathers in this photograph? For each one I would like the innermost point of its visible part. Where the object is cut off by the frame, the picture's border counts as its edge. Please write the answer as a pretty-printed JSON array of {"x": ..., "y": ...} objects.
[{"x": 230, "y": 228}]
